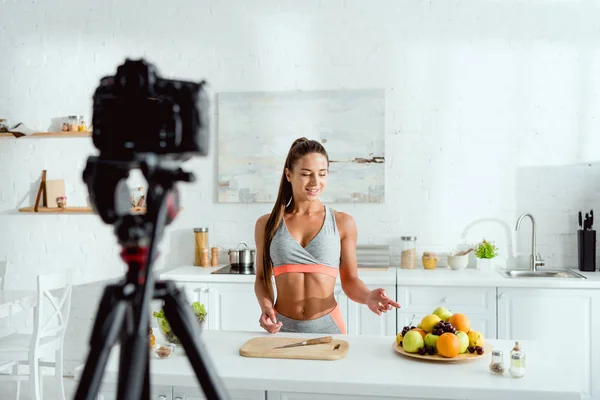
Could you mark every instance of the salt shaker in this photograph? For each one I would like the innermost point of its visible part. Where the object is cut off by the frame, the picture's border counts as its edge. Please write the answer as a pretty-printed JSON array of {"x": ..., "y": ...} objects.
[{"x": 517, "y": 365}]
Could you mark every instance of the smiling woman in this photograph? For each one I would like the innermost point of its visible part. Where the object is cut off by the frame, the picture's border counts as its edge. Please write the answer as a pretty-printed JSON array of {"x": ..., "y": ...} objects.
[{"x": 305, "y": 245}]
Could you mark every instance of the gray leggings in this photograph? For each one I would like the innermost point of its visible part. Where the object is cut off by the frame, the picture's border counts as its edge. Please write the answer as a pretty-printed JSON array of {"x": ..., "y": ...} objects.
[{"x": 325, "y": 324}]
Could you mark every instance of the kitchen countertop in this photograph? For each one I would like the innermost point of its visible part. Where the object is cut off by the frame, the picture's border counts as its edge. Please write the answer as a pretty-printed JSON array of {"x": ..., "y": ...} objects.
[
  {"x": 441, "y": 276},
  {"x": 371, "y": 368},
  {"x": 476, "y": 278},
  {"x": 200, "y": 274}
]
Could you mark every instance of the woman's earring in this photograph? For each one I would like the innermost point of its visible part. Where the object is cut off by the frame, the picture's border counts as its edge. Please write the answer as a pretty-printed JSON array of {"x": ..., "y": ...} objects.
[{"x": 289, "y": 202}]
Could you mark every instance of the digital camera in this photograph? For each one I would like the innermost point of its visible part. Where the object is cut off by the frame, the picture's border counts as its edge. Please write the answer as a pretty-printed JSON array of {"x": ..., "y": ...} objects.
[{"x": 136, "y": 111}]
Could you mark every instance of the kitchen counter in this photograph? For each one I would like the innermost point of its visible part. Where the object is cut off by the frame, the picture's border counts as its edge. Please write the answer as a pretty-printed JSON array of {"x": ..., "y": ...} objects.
[
  {"x": 476, "y": 278},
  {"x": 441, "y": 276},
  {"x": 371, "y": 368},
  {"x": 199, "y": 274}
]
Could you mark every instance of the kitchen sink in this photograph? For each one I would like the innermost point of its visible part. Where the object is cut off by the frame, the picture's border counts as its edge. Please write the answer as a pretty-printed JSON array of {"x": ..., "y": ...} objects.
[{"x": 559, "y": 273}]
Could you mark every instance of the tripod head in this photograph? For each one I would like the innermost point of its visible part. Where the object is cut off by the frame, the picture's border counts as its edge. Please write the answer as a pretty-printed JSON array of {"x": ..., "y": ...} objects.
[{"x": 143, "y": 121}]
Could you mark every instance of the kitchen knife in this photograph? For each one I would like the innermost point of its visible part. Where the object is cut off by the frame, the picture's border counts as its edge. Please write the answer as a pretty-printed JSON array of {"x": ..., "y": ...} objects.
[
  {"x": 586, "y": 221},
  {"x": 580, "y": 220},
  {"x": 591, "y": 218},
  {"x": 321, "y": 340}
]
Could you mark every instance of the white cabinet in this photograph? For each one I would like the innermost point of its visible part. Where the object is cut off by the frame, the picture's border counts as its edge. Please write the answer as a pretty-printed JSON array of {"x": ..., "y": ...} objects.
[
  {"x": 478, "y": 304},
  {"x": 362, "y": 321},
  {"x": 157, "y": 392},
  {"x": 195, "y": 393},
  {"x": 233, "y": 307},
  {"x": 319, "y": 396},
  {"x": 556, "y": 317}
]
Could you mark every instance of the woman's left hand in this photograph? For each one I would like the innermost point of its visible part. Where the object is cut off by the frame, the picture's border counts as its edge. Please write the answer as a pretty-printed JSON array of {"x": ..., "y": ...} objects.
[{"x": 378, "y": 302}]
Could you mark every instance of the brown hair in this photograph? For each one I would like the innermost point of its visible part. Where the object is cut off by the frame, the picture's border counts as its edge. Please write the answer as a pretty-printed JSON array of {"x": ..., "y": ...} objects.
[{"x": 299, "y": 149}]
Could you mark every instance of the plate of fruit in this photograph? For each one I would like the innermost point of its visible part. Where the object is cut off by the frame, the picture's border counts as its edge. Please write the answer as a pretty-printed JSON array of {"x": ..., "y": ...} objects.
[{"x": 442, "y": 336}]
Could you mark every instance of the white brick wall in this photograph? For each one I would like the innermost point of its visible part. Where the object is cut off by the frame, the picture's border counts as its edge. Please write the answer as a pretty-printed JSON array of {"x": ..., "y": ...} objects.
[{"x": 492, "y": 110}]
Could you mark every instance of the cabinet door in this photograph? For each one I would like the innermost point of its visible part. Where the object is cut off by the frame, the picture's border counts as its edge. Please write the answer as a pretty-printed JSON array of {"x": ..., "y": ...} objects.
[
  {"x": 195, "y": 291},
  {"x": 477, "y": 303},
  {"x": 271, "y": 395},
  {"x": 195, "y": 393},
  {"x": 486, "y": 324},
  {"x": 550, "y": 317},
  {"x": 233, "y": 307},
  {"x": 342, "y": 301},
  {"x": 362, "y": 321},
  {"x": 157, "y": 392}
]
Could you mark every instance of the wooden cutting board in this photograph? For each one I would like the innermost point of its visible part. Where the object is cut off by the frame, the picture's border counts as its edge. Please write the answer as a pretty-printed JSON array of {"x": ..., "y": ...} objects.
[{"x": 264, "y": 347}]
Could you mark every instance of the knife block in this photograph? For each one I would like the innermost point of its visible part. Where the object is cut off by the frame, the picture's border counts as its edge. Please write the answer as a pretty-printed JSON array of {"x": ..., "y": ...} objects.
[{"x": 586, "y": 250}]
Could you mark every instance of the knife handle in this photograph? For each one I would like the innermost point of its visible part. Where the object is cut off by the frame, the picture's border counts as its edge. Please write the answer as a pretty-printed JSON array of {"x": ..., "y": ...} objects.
[{"x": 321, "y": 340}]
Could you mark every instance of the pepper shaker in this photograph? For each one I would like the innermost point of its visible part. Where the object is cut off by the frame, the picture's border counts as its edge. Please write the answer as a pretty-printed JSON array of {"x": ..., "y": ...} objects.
[{"x": 214, "y": 261}]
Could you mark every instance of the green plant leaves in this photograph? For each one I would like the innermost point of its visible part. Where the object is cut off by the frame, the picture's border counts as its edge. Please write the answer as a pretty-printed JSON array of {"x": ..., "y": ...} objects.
[{"x": 486, "y": 249}]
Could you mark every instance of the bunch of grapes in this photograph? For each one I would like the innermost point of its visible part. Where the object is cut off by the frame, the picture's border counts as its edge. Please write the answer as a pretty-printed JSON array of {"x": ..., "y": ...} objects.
[
  {"x": 443, "y": 327},
  {"x": 426, "y": 350},
  {"x": 406, "y": 329},
  {"x": 475, "y": 349}
]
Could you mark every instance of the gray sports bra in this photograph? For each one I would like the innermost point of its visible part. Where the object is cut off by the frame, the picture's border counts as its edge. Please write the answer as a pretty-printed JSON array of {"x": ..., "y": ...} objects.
[{"x": 321, "y": 254}]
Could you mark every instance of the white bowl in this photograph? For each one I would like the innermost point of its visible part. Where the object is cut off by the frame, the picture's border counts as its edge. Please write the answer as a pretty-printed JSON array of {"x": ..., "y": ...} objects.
[{"x": 458, "y": 262}]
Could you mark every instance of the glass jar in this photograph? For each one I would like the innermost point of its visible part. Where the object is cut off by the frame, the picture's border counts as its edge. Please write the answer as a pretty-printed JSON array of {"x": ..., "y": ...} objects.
[
  {"x": 497, "y": 364},
  {"x": 429, "y": 260},
  {"x": 517, "y": 365},
  {"x": 73, "y": 123},
  {"x": 200, "y": 243},
  {"x": 408, "y": 257}
]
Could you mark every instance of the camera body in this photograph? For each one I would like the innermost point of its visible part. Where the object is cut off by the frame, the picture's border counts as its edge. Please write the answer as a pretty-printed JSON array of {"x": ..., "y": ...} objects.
[{"x": 136, "y": 112}]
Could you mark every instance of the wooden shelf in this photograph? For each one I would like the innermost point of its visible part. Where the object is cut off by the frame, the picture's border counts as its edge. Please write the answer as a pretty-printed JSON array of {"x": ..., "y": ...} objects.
[
  {"x": 65, "y": 210},
  {"x": 77, "y": 210},
  {"x": 38, "y": 135}
]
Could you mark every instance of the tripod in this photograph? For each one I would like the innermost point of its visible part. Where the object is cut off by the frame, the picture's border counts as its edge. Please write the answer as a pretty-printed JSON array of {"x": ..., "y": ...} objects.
[{"x": 123, "y": 313}]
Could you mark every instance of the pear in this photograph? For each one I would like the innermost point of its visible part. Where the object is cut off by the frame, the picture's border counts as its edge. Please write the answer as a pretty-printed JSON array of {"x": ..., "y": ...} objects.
[{"x": 443, "y": 313}]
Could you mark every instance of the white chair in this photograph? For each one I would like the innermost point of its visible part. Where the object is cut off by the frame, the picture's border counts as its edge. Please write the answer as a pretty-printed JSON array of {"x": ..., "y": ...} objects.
[
  {"x": 3, "y": 274},
  {"x": 47, "y": 337},
  {"x": 6, "y": 327}
]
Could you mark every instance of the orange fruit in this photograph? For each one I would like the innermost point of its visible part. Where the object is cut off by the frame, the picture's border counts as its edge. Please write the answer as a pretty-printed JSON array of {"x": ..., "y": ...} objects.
[
  {"x": 448, "y": 345},
  {"x": 421, "y": 331},
  {"x": 460, "y": 322}
]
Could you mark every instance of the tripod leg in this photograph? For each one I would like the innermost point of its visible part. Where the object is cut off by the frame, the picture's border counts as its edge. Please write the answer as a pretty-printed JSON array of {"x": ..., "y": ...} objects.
[
  {"x": 185, "y": 326},
  {"x": 104, "y": 335},
  {"x": 133, "y": 361}
]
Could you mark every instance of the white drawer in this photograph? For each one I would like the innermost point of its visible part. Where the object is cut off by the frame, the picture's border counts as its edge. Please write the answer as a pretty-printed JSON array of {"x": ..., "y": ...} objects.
[{"x": 465, "y": 300}]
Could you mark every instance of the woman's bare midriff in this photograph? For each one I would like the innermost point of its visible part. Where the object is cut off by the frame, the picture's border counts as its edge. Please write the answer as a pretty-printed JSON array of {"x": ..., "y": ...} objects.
[{"x": 307, "y": 295}]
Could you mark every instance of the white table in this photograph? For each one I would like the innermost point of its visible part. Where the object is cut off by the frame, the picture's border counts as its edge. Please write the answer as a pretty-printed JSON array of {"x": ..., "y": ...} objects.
[{"x": 370, "y": 370}]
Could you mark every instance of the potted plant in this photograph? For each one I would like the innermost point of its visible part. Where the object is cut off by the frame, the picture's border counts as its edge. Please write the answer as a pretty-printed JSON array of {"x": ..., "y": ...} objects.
[{"x": 485, "y": 251}]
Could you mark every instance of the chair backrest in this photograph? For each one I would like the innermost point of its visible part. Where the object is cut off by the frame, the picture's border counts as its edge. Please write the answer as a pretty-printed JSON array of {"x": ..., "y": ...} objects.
[
  {"x": 3, "y": 274},
  {"x": 52, "y": 322}
]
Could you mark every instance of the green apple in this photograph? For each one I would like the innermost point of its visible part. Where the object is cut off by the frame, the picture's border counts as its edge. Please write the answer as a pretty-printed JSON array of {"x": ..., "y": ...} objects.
[
  {"x": 443, "y": 313},
  {"x": 464, "y": 341},
  {"x": 431, "y": 340},
  {"x": 412, "y": 341}
]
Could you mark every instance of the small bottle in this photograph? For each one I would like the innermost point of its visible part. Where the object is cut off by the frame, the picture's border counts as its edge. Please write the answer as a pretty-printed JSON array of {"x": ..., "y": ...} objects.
[
  {"x": 204, "y": 262},
  {"x": 73, "y": 123},
  {"x": 214, "y": 261},
  {"x": 517, "y": 365},
  {"x": 517, "y": 350},
  {"x": 497, "y": 364}
]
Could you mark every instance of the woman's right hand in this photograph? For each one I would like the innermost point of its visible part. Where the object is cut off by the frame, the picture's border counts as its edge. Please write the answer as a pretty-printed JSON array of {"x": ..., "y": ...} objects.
[{"x": 268, "y": 321}]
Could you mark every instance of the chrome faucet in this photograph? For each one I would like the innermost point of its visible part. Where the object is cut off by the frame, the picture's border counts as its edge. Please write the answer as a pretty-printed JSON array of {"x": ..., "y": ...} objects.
[{"x": 534, "y": 260}]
